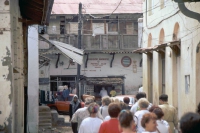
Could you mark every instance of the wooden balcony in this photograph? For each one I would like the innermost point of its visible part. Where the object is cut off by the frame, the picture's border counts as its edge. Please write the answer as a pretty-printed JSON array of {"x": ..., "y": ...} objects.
[
  {"x": 100, "y": 42},
  {"x": 109, "y": 42}
]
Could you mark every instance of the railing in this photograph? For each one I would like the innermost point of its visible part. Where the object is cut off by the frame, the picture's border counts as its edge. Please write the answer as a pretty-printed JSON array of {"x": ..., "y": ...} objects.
[
  {"x": 100, "y": 42},
  {"x": 109, "y": 42}
]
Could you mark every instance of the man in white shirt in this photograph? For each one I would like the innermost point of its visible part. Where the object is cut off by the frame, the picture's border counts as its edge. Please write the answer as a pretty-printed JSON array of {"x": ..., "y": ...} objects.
[{"x": 103, "y": 92}]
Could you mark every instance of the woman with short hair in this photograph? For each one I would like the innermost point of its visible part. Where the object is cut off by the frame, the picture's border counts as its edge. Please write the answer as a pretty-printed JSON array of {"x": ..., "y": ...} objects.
[
  {"x": 162, "y": 125},
  {"x": 126, "y": 122},
  {"x": 92, "y": 123},
  {"x": 110, "y": 125},
  {"x": 104, "y": 108},
  {"x": 148, "y": 122}
]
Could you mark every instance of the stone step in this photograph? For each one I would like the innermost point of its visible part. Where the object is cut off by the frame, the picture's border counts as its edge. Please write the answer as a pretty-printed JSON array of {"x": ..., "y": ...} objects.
[
  {"x": 44, "y": 109},
  {"x": 60, "y": 117},
  {"x": 44, "y": 120},
  {"x": 45, "y": 124},
  {"x": 45, "y": 114},
  {"x": 43, "y": 128}
]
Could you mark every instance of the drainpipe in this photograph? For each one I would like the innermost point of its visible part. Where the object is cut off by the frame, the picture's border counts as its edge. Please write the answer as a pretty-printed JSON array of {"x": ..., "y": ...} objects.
[
  {"x": 146, "y": 13},
  {"x": 187, "y": 12}
]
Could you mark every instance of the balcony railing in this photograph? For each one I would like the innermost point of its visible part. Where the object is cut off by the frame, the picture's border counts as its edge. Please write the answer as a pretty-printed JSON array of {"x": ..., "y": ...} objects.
[
  {"x": 109, "y": 42},
  {"x": 100, "y": 42}
]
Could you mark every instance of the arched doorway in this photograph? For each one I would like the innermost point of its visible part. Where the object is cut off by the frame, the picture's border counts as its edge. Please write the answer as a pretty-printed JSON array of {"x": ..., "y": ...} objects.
[
  {"x": 161, "y": 36},
  {"x": 149, "y": 40},
  {"x": 176, "y": 32}
]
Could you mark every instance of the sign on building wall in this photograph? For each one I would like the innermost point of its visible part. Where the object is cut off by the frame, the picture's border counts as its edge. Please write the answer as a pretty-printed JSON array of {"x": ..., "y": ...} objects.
[
  {"x": 43, "y": 81},
  {"x": 98, "y": 62}
]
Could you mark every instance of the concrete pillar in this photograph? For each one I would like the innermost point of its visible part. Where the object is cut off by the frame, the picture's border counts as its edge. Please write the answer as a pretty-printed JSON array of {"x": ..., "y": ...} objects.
[
  {"x": 156, "y": 77},
  {"x": 33, "y": 79},
  {"x": 169, "y": 75}
]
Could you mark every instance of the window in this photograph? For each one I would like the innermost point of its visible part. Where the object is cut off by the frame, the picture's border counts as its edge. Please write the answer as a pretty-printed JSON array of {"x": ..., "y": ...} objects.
[
  {"x": 163, "y": 3},
  {"x": 128, "y": 27},
  {"x": 73, "y": 28},
  {"x": 187, "y": 84},
  {"x": 151, "y": 7},
  {"x": 126, "y": 61},
  {"x": 113, "y": 27},
  {"x": 87, "y": 27},
  {"x": 98, "y": 28}
]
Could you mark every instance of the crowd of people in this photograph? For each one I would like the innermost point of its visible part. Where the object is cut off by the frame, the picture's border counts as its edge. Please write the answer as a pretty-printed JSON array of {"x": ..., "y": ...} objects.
[{"x": 116, "y": 116}]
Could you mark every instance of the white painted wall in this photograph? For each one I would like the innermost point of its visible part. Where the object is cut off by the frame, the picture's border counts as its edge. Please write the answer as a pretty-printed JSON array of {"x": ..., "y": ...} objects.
[
  {"x": 101, "y": 68},
  {"x": 33, "y": 76},
  {"x": 189, "y": 33}
]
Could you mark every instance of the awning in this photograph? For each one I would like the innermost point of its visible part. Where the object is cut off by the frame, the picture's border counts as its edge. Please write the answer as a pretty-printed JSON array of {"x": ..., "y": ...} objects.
[
  {"x": 67, "y": 50},
  {"x": 158, "y": 48},
  {"x": 144, "y": 50},
  {"x": 104, "y": 81}
]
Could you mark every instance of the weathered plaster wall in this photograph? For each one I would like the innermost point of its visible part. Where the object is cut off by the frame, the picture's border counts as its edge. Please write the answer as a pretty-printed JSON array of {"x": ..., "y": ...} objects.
[
  {"x": 176, "y": 67},
  {"x": 11, "y": 69},
  {"x": 33, "y": 76},
  {"x": 97, "y": 67}
]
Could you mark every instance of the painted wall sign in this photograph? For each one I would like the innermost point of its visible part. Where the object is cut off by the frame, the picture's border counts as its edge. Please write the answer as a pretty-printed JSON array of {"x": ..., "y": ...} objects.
[
  {"x": 98, "y": 62},
  {"x": 126, "y": 61}
]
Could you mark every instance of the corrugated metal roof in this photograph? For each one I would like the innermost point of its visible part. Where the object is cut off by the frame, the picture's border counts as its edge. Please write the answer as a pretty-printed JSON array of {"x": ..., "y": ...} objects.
[{"x": 97, "y": 6}]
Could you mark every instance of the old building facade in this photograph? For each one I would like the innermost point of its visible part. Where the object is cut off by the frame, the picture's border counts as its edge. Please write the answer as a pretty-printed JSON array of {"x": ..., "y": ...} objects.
[
  {"x": 171, "y": 54},
  {"x": 107, "y": 40}
]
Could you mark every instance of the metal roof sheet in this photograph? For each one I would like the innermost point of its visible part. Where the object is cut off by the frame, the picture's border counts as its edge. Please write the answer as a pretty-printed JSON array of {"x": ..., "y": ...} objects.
[{"x": 97, "y": 6}]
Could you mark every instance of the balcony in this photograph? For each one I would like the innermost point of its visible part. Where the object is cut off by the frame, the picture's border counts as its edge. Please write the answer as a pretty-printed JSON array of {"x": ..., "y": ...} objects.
[
  {"x": 100, "y": 42},
  {"x": 109, "y": 42}
]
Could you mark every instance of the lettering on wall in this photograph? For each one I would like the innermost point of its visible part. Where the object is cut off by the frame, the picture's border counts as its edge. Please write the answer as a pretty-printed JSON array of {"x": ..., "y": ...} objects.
[{"x": 98, "y": 62}]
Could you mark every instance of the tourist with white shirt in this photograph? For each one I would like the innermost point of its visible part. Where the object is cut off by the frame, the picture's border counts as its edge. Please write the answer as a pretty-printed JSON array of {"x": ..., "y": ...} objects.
[
  {"x": 83, "y": 113},
  {"x": 143, "y": 104},
  {"x": 104, "y": 108},
  {"x": 92, "y": 123},
  {"x": 135, "y": 107},
  {"x": 148, "y": 122}
]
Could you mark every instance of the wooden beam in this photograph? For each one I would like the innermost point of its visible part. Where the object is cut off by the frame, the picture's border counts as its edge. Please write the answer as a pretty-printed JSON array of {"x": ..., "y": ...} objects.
[{"x": 28, "y": 22}]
